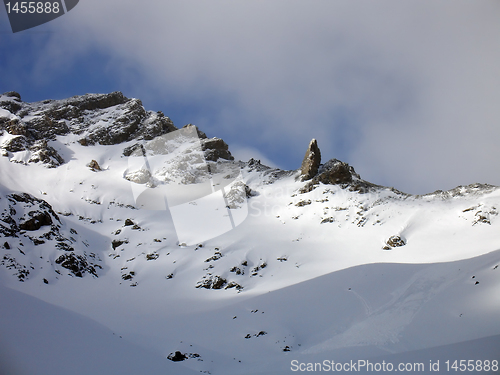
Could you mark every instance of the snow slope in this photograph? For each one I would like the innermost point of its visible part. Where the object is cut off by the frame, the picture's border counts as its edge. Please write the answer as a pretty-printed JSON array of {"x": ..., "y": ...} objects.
[
  {"x": 40, "y": 338},
  {"x": 324, "y": 274}
]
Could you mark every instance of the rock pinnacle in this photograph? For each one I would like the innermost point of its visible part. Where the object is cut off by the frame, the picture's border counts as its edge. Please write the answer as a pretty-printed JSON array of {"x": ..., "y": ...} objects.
[{"x": 311, "y": 161}]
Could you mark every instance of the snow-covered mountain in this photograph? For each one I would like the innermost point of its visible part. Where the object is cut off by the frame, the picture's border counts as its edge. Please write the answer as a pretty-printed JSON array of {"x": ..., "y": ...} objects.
[{"x": 129, "y": 245}]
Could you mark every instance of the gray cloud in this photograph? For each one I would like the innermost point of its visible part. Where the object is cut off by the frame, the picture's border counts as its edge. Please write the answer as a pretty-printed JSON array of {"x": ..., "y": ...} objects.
[{"x": 407, "y": 92}]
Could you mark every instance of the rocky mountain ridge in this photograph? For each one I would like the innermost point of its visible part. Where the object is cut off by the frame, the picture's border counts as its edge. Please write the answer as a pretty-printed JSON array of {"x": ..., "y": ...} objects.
[
  {"x": 110, "y": 119},
  {"x": 105, "y": 120},
  {"x": 89, "y": 222}
]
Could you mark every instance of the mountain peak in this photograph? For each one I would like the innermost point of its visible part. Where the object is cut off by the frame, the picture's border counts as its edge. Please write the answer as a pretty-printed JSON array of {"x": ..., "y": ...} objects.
[{"x": 105, "y": 119}]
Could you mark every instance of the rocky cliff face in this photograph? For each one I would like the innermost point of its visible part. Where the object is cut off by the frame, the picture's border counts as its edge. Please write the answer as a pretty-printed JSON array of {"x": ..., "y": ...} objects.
[{"x": 105, "y": 119}]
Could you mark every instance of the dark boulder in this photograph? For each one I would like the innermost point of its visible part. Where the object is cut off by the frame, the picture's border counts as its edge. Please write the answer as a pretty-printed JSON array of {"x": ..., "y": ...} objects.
[
  {"x": 336, "y": 172},
  {"x": 38, "y": 220},
  {"x": 215, "y": 149},
  {"x": 394, "y": 241},
  {"x": 117, "y": 243},
  {"x": 94, "y": 166},
  {"x": 128, "y": 222},
  {"x": 177, "y": 357}
]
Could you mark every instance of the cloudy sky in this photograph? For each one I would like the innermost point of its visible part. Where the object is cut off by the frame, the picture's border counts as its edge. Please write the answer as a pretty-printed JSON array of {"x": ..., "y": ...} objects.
[{"x": 405, "y": 91}]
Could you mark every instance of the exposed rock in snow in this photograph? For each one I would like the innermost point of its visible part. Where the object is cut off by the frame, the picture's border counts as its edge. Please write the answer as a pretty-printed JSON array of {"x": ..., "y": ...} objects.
[
  {"x": 27, "y": 219},
  {"x": 237, "y": 194},
  {"x": 15, "y": 144},
  {"x": 76, "y": 264},
  {"x": 336, "y": 172},
  {"x": 394, "y": 241},
  {"x": 41, "y": 152},
  {"x": 11, "y": 101},
  {"x": 94, "y": 165},
  {"x": 177, "y": 356},
  {"x": 28, "y": 213},
  {"x": 215, "y": 149},
  {"x": 212, "y": 282},
  {"x": 311, "y": 162}
]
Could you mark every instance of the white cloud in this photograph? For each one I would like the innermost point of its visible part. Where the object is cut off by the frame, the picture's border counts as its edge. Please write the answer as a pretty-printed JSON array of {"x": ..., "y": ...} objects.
[
  {"x": 407, "y": 92},
  {"x": 244, "y": 153}
]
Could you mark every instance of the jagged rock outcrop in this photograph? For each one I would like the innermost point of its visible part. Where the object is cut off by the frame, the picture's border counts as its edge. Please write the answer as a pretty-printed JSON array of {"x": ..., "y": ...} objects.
[
  {"x": 11, "y": 101},
  {"x": 311, "y": 162},
  {"x": 105, "y": 119},
  {"x": 26, "y": 212},
  {"x": 136, "y": 149},
  {"x": 215, "y": 148},
  {"x": 16, "y": 144},
  {"x": 41, "y": 152},
  {"x": 26, "y": 219},
  {"x": 98, "y": 118},
  {"x": 237, "y": 193},
  {"x": 120, "y": 123},
  {"x": 212, "y": 282},
  {"x": 336, "y": 172},
  {"x": 333, "y": 172},
  {"x": 191, "y": 127},
  {"x": 76, "y": 264}
]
